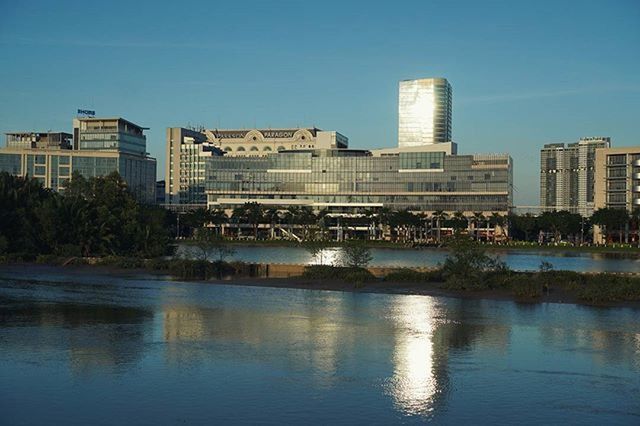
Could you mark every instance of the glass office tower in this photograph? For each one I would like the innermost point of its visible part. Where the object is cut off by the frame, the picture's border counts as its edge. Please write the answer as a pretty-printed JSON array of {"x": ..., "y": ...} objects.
[{"x": 424, "y": 112}]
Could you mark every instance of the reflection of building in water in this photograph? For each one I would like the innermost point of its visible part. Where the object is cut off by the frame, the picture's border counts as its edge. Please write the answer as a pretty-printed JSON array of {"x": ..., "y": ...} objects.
[
  {"x": 95, "y": 337},
  {"x": 314, "y": 333},
  {"x": 414, "y": 379},
  {"x": 605, "y": 345},
  {"x": 426, "y": 331}
]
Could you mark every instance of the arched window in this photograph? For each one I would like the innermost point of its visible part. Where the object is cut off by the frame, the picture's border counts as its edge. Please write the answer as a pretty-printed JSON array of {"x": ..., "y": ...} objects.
[
  {"x": 241, "y": 148},
  {"x": 254, "y": 148},
  {"x": 267, "y": 148},
  {"x": 228, "y": 149},
  {"x": 281, "y": 148}
]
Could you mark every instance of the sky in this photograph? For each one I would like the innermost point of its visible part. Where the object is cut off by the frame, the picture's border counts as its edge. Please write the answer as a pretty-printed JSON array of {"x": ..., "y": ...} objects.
[{"x": 523, "y": 73}]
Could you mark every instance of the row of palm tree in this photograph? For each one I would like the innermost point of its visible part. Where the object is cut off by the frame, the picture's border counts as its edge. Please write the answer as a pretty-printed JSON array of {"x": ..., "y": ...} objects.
[{"x": 304, "y": 223}]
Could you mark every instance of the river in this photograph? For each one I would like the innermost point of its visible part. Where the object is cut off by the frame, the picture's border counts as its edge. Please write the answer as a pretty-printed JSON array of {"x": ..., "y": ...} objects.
[
  {"x": 521, "y": 260},
  {"x": 87, "y": 348}
]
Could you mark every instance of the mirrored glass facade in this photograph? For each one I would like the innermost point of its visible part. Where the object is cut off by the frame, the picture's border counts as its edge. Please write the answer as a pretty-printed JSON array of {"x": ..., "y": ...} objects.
[
  {"x": 424, "y": 112},
  {"x": 353, "y": 179}
]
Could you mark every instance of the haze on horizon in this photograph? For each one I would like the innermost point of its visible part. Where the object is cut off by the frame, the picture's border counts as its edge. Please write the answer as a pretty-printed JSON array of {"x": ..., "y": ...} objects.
[{"x": 522, "y": 74}]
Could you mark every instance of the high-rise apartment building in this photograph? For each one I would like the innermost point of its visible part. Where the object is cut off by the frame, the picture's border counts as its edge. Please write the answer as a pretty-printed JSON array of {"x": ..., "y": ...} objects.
[
  {"x": 101, "y": 146},
  {"x": 567, "y": 175},
  {"x": 424, "y": 112}
]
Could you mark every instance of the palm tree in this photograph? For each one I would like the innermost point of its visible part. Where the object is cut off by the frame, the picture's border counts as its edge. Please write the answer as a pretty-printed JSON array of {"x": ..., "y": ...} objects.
[
  {"x": 272, "y": 216},
  {"x": 384, "y": 220},
  {"x": 218, "y": 218},
  {"x": 459, "y": 220},
  {"x": 478, "y": 218},
  {"x": 497, "y": 220},
  {"x": 440, "y": 216},
  {"x": 635, "y": 223},
  {"x": 306, "y": 217}
]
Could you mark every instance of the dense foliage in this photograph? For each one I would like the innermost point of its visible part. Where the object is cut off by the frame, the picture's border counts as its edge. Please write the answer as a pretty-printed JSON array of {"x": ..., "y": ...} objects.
[{"x": 94, "y": 217}]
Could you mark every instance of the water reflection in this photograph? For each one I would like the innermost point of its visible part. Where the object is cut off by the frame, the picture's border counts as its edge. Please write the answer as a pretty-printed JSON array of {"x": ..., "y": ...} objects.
[
  {"x": 304, "y": 337},
  {"x": 91, "y": 337},
  {"x": 518, "y": 260},
  {"x": 294, "y": 355},
  {"x": 414, "y": 378}
]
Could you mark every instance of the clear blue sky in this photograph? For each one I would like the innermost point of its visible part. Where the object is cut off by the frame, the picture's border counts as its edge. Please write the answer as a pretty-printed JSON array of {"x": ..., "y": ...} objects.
[{"x": 523, "y": 73}]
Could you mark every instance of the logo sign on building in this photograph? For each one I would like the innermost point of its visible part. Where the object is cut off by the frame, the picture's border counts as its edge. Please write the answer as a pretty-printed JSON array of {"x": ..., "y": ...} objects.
[{"x": 87, "y": 112}]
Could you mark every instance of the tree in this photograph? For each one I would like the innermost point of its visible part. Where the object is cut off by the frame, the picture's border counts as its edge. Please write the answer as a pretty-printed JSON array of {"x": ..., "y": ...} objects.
[
  {"x": 250, "y": 213},
  {"x": 439, "y": 216},
  {"x": 212, "y": 245},
  {"x": 467, "y": 265},
  {"x": 611, "y": 219},
  {"x": 478, "y": 218},
  {"x": 356, "y": 254},
  {"x": 272, "y": 216},
  {"x": 459, "y": 221},
  {"x": 317, "y": 249},
  {"x": 497, "y": 221},
  {"x": 92, "y": 217},
  {"x": 306, "y": 218}
]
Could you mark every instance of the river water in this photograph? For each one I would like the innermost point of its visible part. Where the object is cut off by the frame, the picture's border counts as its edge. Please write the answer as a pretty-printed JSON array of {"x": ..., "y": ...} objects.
[
  {"x": 97, "y": 349},
  {"x": 521, "y": 260}
]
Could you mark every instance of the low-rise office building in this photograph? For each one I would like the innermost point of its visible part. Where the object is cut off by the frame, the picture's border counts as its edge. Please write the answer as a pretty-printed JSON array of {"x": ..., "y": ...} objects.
[
  {"x": 348, "y": 180},
  {"x": 187, "y": 150},
  {"x": 52, "y": 161}
]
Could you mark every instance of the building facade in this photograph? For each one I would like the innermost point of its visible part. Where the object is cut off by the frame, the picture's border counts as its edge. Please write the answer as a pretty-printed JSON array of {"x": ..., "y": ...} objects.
[
  {"x": 567, "y": 175},
  {"x": 52, "y": 161},
  {"x": 424, "y": 112},
  {"x": 350, "y": 180},
  {"x": 184, "y": 167},
  {"x": 617, "y": 182},
  {"x": 617, "y": 178},
  {"x": 44, "y": 140},
  {"x": 187, "y": 150},
  {"x": 261, "y": 142},
  {"x": 109, "y": 134}
]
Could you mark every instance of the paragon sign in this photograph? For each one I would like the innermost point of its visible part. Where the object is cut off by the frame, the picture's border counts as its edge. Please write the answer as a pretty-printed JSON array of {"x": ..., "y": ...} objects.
[{"x": 86, "y": 112}]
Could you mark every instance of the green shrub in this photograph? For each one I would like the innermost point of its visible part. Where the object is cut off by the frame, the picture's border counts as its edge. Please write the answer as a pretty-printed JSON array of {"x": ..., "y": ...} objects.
[
  {"x": 337, "y": 273},
  {"x": 122, "y": 262},
  {"x": 188, "y": 269},
  {"x": 468, "y": 267},
  {"x": 604, "y": 288},
  {"x": 413, "y": 276},
  {"x": 322, "y": 272},
  {"x": 68, "y": 250},
  {"x": 49, "y": 259},
  {"x": 158, "y": 264},
  {"x": 357, "y": 276},
  {"x": 530, "y": 288}
]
